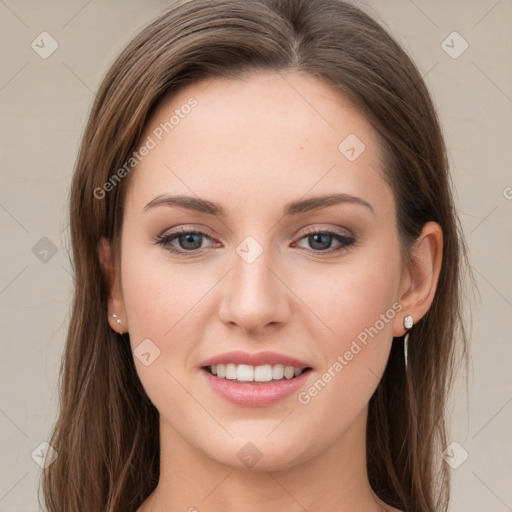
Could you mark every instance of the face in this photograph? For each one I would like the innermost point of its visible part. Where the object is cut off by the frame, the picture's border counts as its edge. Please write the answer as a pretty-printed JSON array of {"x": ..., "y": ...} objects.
[{"x": 257, "y": 270}]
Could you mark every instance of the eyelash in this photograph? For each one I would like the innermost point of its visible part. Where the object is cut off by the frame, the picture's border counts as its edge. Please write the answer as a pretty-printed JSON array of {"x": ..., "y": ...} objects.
[{"x": 165, "y": 241}]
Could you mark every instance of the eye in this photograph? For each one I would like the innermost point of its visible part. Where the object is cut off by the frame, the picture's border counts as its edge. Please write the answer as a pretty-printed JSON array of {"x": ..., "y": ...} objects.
[
  {"x": 321, "y": 240},
  {"x": 189, "y": 241}
]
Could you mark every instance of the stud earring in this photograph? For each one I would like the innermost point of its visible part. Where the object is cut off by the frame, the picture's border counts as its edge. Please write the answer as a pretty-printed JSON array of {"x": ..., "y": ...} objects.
[
  {"x": 118, "y": 320},
  {"x": 408, "y": 323}
]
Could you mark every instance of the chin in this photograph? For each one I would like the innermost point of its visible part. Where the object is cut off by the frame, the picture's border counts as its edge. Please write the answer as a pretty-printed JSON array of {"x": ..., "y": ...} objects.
[{"x": 260, "y": 454}]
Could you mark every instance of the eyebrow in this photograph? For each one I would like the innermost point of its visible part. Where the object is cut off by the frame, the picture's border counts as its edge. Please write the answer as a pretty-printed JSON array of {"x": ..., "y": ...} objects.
[{"x": 292, "y": 208}]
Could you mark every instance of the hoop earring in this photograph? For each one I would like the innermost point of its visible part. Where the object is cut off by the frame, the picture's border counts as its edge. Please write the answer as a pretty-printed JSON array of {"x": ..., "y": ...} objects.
[{"x": 408, "y": 323}]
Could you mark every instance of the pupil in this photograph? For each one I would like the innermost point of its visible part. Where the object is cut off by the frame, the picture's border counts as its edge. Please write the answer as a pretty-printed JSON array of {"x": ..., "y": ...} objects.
[
  {"x": 189, "y": 238},
  {"x": 324, "y": 238}
]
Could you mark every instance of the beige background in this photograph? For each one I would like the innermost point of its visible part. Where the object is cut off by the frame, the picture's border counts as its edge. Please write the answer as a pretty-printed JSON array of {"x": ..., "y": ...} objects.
[{"x": 44, "y": 104}]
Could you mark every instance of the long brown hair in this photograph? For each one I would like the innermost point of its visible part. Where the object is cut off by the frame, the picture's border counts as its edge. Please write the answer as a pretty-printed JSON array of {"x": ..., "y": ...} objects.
[{"x": 107, "y": 435}]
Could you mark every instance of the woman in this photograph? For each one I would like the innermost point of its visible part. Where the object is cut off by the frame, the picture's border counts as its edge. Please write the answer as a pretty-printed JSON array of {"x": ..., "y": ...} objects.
[{"x": 268, "y": 271}]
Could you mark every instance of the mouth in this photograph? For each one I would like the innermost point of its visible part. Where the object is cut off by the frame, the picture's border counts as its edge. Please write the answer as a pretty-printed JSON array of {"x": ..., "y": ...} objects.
[{"x": 246, "y": 373}]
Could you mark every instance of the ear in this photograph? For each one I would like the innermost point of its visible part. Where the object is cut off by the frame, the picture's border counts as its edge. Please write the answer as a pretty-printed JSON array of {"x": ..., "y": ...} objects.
[
  {"x": 115, "y": 298},
  {"x": 419, "y": 283}
]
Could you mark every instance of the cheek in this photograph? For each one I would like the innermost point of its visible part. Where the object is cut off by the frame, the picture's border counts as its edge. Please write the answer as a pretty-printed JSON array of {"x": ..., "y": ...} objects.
[
  {"x": 156, "y": 292},
  {"x": 357, "y": 304},
  {"x": 159, "y": 308},
  {"x": 361, "y": 316},
  {"x": 349, "y": 297},
  {"x": 165, "y": 303}
]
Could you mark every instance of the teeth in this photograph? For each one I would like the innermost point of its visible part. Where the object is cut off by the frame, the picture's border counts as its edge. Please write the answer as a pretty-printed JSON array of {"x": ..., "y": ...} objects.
[
  {"x": 248, "y": 373},
  {"x": 231, "y": 371},
  {"x": 289, "y": 372},
  {"x": 244, "y": 372},
  {"x": 221, "y": 371},
  {"x": 263, "y": 373},
  {"x": 277, "y": 371}
]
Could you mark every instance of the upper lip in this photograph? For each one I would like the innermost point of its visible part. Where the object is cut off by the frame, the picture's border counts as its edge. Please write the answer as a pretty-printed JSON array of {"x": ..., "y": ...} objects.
[{"x": 257, "y": 359}]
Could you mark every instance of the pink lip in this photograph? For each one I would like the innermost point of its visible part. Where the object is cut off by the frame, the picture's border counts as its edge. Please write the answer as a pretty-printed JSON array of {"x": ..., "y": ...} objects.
[
  {"x": 254, "y": 394},
  {"x": 259, "y": 359}
]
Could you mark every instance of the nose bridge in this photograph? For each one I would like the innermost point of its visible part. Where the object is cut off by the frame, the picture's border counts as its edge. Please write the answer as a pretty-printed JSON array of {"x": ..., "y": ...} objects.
[{"x": 254, "y": 296}]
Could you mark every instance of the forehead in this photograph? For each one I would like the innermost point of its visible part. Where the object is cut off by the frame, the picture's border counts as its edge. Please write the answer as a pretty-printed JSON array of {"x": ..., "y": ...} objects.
[{"x": 261, "y": 138}]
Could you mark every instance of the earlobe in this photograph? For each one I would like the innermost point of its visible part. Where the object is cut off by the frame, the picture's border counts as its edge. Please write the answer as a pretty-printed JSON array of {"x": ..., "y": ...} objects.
[
  {"x": 422, "y": 277},
  {"x": 116, "y": 313}
]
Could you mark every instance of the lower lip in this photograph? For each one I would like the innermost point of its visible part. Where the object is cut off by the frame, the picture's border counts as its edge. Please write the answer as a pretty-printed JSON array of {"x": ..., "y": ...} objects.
[{"x": 254, "y": 394}]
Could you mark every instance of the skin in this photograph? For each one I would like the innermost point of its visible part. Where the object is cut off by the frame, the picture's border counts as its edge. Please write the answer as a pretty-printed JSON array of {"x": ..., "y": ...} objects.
[{"x": 252, "y": 145}]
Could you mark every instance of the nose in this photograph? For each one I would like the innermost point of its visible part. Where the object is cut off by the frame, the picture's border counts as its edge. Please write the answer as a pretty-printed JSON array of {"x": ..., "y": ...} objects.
[{"x": 255, "y": 297}]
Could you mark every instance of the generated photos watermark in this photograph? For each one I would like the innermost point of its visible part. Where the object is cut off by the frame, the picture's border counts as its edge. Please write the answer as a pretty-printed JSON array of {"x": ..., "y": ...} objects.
[
  {"x": 342, "y": 360},
  {"x": 151, "y": 142}
]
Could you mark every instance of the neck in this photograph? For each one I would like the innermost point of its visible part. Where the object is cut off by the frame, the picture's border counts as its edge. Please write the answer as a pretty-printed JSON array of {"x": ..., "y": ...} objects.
[{"x": 335, "y": 479}]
